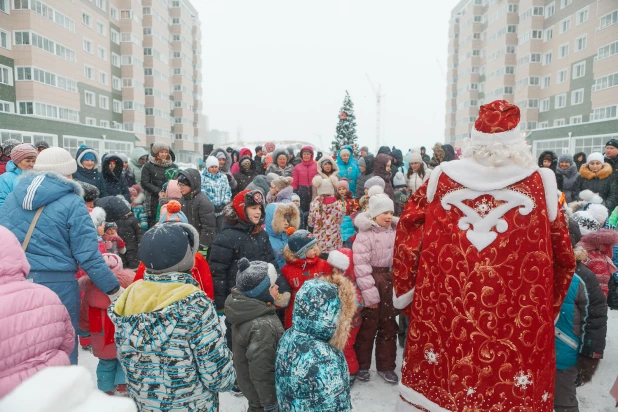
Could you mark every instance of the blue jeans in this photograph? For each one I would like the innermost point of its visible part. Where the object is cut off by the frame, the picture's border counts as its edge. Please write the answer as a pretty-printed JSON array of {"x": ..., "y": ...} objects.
[{"x": 109, "y": 375}]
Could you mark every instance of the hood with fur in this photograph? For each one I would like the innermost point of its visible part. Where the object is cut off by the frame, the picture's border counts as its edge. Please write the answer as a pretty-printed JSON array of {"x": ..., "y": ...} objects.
[
  {"x": 334, "y": 176},
  {"x": 44, "y": 188},
  {"x": 364, "y": 222},
  {"x": 605, "y": 172},
  {"x": 228, "y": 159}
]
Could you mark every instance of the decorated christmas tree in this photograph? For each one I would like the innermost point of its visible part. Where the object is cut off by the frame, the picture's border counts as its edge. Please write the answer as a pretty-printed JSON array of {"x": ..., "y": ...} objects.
[{"x": 346, "y": 128}]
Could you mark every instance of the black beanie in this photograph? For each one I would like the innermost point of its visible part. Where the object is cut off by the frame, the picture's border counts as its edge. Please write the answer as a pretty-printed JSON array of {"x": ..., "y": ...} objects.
[{"x": 169, "y": 247}]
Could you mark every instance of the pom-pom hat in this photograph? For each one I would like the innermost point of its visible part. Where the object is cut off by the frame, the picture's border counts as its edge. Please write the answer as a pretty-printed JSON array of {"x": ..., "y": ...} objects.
[
  {"x": 254, "y": 279},
  {"x": 300, "y": 242},
  {"x": 498, "y": 123},
  {"x": 173, "y": 213},
  {"x": 245, "y": 199}
]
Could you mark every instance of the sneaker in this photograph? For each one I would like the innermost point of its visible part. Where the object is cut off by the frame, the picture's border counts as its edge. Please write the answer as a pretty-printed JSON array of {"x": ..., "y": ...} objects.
[
  {"x": 236, "y": 390},
  {"x": 389, "y": 376},
  {"x": 352, "y": 380},
  {"x": 121, "y": 390},
  {"x": 363, "y": 375}
]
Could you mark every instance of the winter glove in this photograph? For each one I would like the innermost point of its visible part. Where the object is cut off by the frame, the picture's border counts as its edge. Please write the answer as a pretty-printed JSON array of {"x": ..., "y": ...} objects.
[
  {"x": 120, "y": 242},
  {"x": 272, "y": 408},
  {"x": 283, "y": 300},
  {"x": 586, "y": 367},
  {"x": 114, "y": 296}
]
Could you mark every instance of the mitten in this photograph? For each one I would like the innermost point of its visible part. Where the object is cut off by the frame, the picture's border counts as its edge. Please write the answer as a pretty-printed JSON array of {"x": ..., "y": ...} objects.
[
  {"x": 120, "y": 242},
  {"x": 115, "y": 295},
  {"x": 586, "y": 367},
  {"x": 283, "y": 300}
]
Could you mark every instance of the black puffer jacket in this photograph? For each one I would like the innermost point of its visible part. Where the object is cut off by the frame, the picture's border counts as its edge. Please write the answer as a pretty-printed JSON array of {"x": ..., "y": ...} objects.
[
  {"x": 569, "y": 178},
  {"x": 153, "y": 178},
  {"x": 379, "y": 169},
  {"x": 579, "y": 163},
  {"x": 363, "y": 177},
  {"x": 199, "y": 209},
  {"x": 602, "y": 183},
  {"x": 244, "y": 178},
  {"x": 237, "y": 240},
  {"x": 553, "y": 167},
  {"x": 115, "y": 184},
  {"x": 397, "y": 162}
]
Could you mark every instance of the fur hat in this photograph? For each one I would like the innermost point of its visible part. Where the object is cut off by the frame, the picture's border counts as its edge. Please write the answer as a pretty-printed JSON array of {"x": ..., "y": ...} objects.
[
  {"x": 591, "y": 219},
  {"x": 157, "y": 255},
  {"x": 91, "y": 192},
  {"x": 375, "y": 181},
  {"x": 22, "y": 151},
  {"x": 245, "y": 199},
  {"x": 281, "y": 182},
  {"x": 56, "y": 159},
  {"x": 415, "y": 158},
  {"x": 399, "y": 181},
  {"x": 211, "y": 161},
  {"x": 158, "y": 146},
  {"x": 342, "y": 259},
  {"x": 595, "y": 156},
  {"x": 326, "y": 188},
  {"x": 8, "y": 145},
  {"x": 254, "y": 279},
  {"x": 300, "y": 242},
  {"x": 97, "y": 215},
  {"x": 565, "y": 158},
  {"x": 379, "y": 204},
  {"x": 113, "y": 261},
  {"x": 172, "y": 213}
]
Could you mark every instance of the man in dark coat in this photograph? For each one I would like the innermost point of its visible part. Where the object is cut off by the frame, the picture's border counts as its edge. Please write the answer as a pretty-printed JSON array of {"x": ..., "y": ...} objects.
[
  {"x": 198, "y": 209},
  {"x": 246, "y": 174},
  {"x": 259, "y": 167},
  {"x": 115, "y": 184},
  {"x": 425, "y": 156},
  {"x": 611, "y": 154}
]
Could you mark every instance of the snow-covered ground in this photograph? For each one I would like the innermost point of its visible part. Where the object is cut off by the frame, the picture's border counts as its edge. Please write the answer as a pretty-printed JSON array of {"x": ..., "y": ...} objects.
[{"x": 378, "y": 396}]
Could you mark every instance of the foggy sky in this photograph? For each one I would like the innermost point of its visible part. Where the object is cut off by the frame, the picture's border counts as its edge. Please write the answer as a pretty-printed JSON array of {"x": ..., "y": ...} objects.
[{"x": 279, "y": 69}]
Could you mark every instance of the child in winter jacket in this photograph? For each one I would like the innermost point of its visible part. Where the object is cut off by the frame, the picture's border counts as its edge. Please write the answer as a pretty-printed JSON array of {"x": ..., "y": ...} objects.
[
  {"x": 325, "y": 217},
  {"x": 35, "y": 327},
  {"x": 311, "y": 373},
  {"x": 348, "y": 167},
  {"x": 350, "y": 206},
  {"x": 113, "y": 243},
  {"x": 373, "y": 186},
  {"x": 341, "y": 260},
  {"x": 169, "y": 192},
  {"x": 256, "y": 331},
  {"x": 280, "y": 217},
  {"x": 373, "y": 259},
  {"x": 217, "y": 188},
  {"x": 597, "y": 176},
  {"x": 302, "y": 256},
  {"x": 137, "y": 206},
  {"x": 168, "y": 337},
  {"x": 327, "y": 169},
  {"x": 94, "y": 322},
  {"x": 198, "y": 208},
  {"x": 401, "y": 193}
]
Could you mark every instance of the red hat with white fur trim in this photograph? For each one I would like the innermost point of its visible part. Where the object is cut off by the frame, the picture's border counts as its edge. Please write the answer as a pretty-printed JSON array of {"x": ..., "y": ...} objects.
[
  {"x": 498, "y": 123},
  {"x": 342, "y": 259}
]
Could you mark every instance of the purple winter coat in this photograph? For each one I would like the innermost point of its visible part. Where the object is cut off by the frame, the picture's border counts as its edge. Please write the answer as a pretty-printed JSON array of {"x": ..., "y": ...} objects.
[
  {"x": 35, "y": 327},
  {"x": 373, "y": 247}
]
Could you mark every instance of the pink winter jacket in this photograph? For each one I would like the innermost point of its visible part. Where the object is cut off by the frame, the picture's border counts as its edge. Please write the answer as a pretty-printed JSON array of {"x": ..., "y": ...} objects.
[
  {"x": 304, "y": 172},
  {"x": 373, "y": 247},
  {"x": 35, "y": 327}
]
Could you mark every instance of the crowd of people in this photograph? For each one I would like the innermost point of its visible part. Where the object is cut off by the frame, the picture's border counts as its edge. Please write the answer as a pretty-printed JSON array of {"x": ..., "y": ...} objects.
[{"x": 297, "y": 251}]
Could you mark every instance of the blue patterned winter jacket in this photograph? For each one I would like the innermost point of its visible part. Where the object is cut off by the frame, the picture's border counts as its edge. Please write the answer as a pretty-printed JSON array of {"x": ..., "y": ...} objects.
[
  {"x": 217, "y": 188},
  {"x": 171, "y": 345},
  {"x": 311, "y": 372}
]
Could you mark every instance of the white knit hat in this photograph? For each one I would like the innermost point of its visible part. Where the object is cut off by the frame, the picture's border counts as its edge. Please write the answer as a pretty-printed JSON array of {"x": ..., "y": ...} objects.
[
  {"x": 211, "y": 161},
  {"x": 399, "y": 180},
  {"x": 379, "y": 204},
  {"x": 326, "y": 188},
  {"x": 591, "y": 219},
  {"x": 375, "y": 190},
  {"x": 415, "y": 158},
  {"x": 56, "y": 159},
  {"x": 595, "y": 156}
]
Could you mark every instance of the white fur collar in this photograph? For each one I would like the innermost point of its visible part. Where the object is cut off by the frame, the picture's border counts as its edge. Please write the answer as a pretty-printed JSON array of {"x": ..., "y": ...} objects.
[{"x": 471, "y": 174}]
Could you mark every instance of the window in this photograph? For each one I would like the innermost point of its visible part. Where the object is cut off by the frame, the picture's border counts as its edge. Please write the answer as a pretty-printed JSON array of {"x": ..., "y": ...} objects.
[
  {"x": 146, "y": 11},
  {"x": 4, "y": 6},
  {"x": 87, "y": 19},
  {"x": 101, "y": 4},
  {"x": 577, "y": 97},
  {"x": 544, "y": 107},
  {"x": 547, "y": 58},
  {"x": 126, "y": 14},
  {"x": 563, "y": 51},
  {"x": 581, "y": 42},
  {"x": 147, "y": 51},
  {"x": 5, "y": 39},
  {"x": 563, "y": 75},
  {"x": 608, "y": 112},
  {"x": 117, "y": 106},
  {"x": 88, "y": 72},
  {"x": 26, "y": 108},
  {"x": 90, "y": 121},
  {"x": 104, "y": 102},
  {"x": 113, "y": 12},
  {"x": 560, "y": 101},
  {"x": 6, "y": 107},
  {"x": 104, "y": 123},
  {"x": 564, "y": 3},
  {"x": 103, "y": 78},
  {"x": 101, "y": 28},
  {"x": 102, "y": 53},
  {"x": 115, "y": 36},
  {"x": 558, "y": 122},
  {"x": 116, "y": 84},
  {"x": 550, "y": 9},
  {"x": 565, "y": 25},
  {"x": 115, "y": 60},
  {"x": 89, "y": 98},
  {"x": 605, "y": 82},
  {"x": 535, "y": 58},
  {"x": 581, "y": 16},
  {"x": 607, "y": 51},
  {"x": 576, "y": 119},
  {"x": 87, "y": 46},
  {"x": 543, "y": 125},
  {"x": 549, "y": 34},
  {"x": 579, "y": 70},
  {"x": 608, "y": 19},
  {"x": 6, "y": 75}
]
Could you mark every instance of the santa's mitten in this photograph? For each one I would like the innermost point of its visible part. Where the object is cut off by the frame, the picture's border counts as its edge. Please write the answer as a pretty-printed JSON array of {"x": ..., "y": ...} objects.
[
  {"x": 283, "y": 300},
  {"x": 404, "y": 300},
  {"x": 586, "y": 367}
]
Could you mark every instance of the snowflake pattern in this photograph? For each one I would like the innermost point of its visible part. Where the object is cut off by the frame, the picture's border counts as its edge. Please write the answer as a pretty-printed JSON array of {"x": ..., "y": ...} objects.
[
  {"x": 471, "y": 391},
  {"x": 432, "y": 357},
  {"x": 545, "y": 396},
  {"x": 522, "y": 380},
  {"x": 484, "y": 207}
]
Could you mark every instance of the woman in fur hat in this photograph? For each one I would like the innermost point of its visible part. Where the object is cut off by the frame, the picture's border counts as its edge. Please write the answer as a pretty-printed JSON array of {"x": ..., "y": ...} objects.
[
  {"x": 327, "y": 169},
  {"x": 595, "y": 176},
  {"x": 153, "y": 178}
]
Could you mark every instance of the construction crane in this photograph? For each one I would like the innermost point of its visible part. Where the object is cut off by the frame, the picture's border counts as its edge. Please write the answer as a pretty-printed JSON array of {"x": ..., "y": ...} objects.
[{"x": 379, "y": 96}]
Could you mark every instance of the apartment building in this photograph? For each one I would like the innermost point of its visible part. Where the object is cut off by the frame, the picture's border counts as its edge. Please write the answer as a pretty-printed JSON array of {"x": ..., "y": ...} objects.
[
  {"x": 108, "y": 73},
  {"x": 557, "y": 60}
]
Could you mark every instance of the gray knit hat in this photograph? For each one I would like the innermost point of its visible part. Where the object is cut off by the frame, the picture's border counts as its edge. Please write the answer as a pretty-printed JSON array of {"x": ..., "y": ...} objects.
[
  {"x": 375, "y": 181},
  {"x": 361, "y": 162},
  {"x": 254, "y": 279}
]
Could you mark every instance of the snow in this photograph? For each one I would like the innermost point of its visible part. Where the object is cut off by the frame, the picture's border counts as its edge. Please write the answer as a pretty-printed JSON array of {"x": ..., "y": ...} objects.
[{"x": 378, "y": 396}]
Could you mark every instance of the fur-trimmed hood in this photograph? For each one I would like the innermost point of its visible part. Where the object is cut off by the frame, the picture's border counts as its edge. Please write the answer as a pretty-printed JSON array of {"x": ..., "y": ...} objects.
[
  {"x": 324, "y": 308},
  {"x": 139, "y": 200},
  {"x": 379, "y": 166},
  {"x": 116, "y": 174},
  {"x": 278, "y": 152},
  {"x": 599, "y": 240},
  {"x": 588, "y": 174},
  {"x": 334, "y": 176},
  {"x": 276, "y": 218},
  {"x": 36, "y": 189},
  {"x": 228, "y": 159},
  {"x": 164, "y": 163},
  {"x": 364, "y": 222}
]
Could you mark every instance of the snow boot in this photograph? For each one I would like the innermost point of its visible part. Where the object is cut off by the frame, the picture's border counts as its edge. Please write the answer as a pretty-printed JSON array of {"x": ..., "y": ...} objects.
[
  {"x": 236, "y": 390},
  {"x": 389, "y": 376},
  {"x": 363, "y": 375},
  {"x": 352, "y": 380}
]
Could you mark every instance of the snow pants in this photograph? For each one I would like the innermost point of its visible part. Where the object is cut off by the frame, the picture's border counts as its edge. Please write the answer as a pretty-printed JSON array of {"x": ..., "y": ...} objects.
[
  {"x": 109, "y": 375},
  {"x": 349, "y": 352},
  {"x": 379, "y": 325},
  {"x": 304, "y": 192},
  {"x": 565, "y": 399}
]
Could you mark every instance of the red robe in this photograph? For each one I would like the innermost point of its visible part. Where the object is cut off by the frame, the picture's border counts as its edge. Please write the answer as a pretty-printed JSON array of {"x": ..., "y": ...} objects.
[{"x": 481, "y": 334}]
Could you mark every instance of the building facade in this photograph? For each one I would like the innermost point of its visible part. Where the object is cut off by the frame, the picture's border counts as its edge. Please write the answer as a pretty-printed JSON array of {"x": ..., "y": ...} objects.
[
  {"x": 557, "y": 60},
  {"x": 108, "y": 73}
]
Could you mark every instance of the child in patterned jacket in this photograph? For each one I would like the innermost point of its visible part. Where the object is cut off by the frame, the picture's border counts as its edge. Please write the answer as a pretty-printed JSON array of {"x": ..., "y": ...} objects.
[
  {"x": 325, "y": 217},
  {"x": 217, "y": 187}
]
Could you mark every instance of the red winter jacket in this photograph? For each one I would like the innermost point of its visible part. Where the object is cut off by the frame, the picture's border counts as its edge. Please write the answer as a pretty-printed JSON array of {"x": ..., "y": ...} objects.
[
  {"x": 304, "y": 172},
  {"x": 200, "y": 272},
  {"x": 297, "y": 272}
]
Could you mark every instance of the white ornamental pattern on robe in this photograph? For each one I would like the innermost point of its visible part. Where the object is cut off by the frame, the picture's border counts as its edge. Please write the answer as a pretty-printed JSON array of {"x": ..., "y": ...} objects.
[{"x": 479, "y": 221}]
